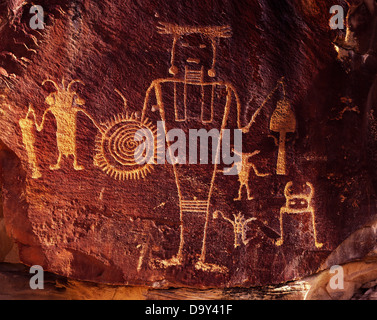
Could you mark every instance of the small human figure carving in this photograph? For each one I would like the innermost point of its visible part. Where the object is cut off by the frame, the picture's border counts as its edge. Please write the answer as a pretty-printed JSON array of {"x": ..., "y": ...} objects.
[
  {"x": 299, "y": 203},
  {"x": 244, "y": 167},
  {"x": 239, "y": 227},
  {"x": 61, "y": 104},
  {"x": 28, "y": 140}
]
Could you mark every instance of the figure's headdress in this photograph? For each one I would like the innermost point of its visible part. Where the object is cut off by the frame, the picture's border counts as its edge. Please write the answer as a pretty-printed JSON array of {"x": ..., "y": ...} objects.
[
  {"x": 209, "y": 31},
  {"x": 212, "y": 32}
]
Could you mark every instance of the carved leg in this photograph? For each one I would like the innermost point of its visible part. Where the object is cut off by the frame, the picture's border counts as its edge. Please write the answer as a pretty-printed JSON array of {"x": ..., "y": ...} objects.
[
  {"x": 36, "y": 173},
  {"x": 317, "y": 244},
  {"x": 236, "y": 239},
  {"x": 173, "y": 261},
  {"x": 201, "y": 264},
  {"x": 57, "y": 165},
  {"x": 239, "y": 193},
  {"x": 75, "y": 165},
  {"x": 248, "y": 192},
  {"x": 244, "y": 240},
  {"x": 33, "y": 162},
  {"x": 177, "y": 260},
  {"x": 281, "y": 240},
  {"x": 210, "y": 267}
]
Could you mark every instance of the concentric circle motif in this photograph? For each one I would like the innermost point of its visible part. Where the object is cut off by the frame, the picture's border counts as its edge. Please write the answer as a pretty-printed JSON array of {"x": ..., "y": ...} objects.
[{"x": 117, "y": 152}]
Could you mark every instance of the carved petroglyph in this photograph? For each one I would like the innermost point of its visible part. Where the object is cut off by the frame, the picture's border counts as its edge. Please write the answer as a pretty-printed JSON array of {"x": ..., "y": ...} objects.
[
  {"x": 211, "y": 32},
  {"x": 208, "y": 31},
  {"x": 63, "y": 104},
  {"x": 117, "y": 144},
  {"x": 299, "y": 203},
  {"x": 210, "y": 267},
  {"x": 239, "y": 227},
  {"x": 116, "y": 147},
  {"x": 280, "y": 83},
  {"x": 117, "y": 141},
  {"x": 194, "y": 75},
  {"x": 244, "y": 167},
  {"x": 200, "y": 207},
  {"x": 143, "y": 250},
  {"x": 282, "y": 121},
  {"x": 194, "y": 206},
  {"x": 28, "y": 139}
]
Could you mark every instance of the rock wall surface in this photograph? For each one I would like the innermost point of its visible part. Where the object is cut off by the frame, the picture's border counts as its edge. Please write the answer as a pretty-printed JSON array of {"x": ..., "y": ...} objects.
[{"x": 75, "y": 93}]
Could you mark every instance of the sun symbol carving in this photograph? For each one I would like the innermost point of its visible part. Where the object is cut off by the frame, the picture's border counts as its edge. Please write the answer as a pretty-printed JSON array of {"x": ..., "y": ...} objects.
[{"x": 117, "y": 147}]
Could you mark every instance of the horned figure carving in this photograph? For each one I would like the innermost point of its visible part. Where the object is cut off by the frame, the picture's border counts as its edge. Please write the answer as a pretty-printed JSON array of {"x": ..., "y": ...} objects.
[
  {"x": 298, "y": 203},
  {"x": 64, "y": 105}
]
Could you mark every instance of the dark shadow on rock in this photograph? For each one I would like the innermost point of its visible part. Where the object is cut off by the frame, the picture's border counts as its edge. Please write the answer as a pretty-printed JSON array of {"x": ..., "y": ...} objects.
[{"x": 15, "y": 207}]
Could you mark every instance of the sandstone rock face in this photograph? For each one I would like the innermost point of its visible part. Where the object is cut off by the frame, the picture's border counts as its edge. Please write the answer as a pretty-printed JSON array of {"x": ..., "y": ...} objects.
[{"x": 76, "y": 93}]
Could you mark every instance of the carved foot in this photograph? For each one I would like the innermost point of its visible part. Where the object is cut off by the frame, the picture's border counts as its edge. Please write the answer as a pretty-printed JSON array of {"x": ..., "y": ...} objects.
[
  {"x": 279, "y": 242},
  {"x": 318, "y": 245},
  {"x": 55, "y": 167},
  {"x": 78, "y": 167},
  {"x": 36, "y": 174},
  {"x": 174, "y": 261},
  {"x": 209, "y": 267}
]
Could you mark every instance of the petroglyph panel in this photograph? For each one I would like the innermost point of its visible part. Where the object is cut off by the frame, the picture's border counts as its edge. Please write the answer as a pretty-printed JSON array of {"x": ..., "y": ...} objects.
[{"x": 185, "y": 146}]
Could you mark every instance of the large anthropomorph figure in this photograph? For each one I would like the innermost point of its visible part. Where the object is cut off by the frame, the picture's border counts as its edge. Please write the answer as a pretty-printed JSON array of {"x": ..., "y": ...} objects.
[{"x": 191, "y": 98}]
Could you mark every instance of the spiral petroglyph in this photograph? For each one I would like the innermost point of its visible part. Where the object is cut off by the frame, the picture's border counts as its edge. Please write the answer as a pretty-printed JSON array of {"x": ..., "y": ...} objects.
[{"x": 117, "y": 147}]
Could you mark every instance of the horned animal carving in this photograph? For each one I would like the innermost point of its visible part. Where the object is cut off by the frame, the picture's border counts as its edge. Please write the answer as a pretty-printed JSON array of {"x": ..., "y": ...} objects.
[{"x": 298, "y": 203}]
